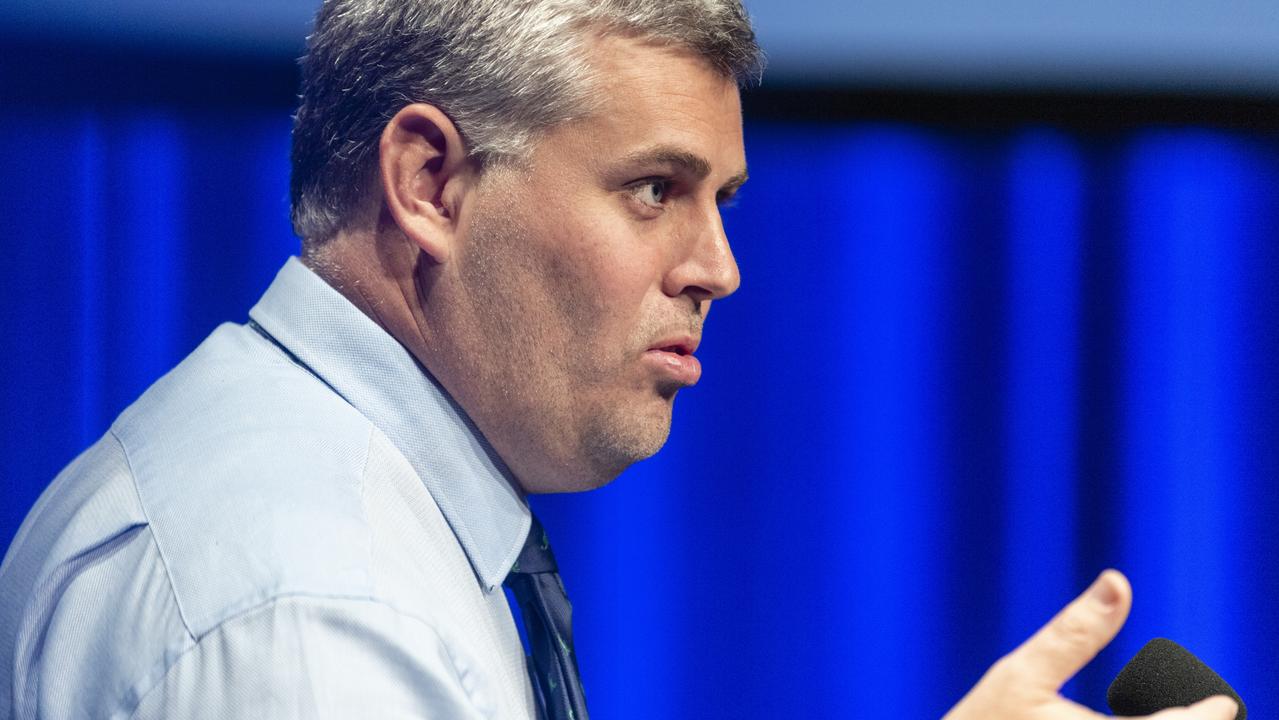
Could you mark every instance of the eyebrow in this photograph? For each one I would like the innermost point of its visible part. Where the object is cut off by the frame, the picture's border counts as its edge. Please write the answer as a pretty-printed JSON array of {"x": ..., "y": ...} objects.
[{"x": 690, "y": 163}]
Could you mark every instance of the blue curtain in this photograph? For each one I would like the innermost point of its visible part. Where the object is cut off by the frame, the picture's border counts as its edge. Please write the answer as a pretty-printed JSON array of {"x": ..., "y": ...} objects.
[{"x": 965, "y": 372}]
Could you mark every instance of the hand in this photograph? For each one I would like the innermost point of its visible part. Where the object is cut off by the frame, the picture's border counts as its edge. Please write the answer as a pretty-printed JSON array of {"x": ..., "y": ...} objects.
[{"x": 1025, "y": 684}]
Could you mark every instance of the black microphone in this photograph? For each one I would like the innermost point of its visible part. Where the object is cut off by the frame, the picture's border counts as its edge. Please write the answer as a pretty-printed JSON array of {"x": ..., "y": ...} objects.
[{"x": 1162, "y": 675}]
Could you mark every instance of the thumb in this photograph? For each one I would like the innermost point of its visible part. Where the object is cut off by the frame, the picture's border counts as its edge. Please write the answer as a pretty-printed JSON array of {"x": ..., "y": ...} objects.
[{"x": 1054, "y": 654}]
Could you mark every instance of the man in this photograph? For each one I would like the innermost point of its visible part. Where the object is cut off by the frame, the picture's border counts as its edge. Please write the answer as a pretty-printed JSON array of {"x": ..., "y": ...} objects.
[{"x": 511, "y": 240}]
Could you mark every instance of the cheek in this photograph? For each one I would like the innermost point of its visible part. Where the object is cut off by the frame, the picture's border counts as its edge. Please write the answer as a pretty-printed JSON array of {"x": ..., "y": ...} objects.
[{"x": 600, "y": 277}]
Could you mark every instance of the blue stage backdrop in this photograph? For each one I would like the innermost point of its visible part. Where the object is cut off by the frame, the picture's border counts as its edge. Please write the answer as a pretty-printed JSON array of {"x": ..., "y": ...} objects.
[{"x": 965, "y": 372}]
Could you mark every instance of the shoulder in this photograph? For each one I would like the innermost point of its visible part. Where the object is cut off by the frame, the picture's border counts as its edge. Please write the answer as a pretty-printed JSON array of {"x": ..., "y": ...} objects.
[
  {"x": 248, "y": 471},
  {"x": 237, "y": 402},
  {"x": 237, "y": 499}
]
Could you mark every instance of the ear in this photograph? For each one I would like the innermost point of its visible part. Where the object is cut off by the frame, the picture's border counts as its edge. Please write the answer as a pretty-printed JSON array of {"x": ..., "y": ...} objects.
[{"x": 420, "y": 156}]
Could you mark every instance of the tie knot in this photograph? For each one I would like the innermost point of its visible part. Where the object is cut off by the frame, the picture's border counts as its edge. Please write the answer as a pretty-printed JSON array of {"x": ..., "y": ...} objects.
[{"x": 536, "y": 555}]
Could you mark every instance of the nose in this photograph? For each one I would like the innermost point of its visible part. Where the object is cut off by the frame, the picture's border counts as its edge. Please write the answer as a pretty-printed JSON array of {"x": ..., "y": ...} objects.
[{"x": 705, "y": 268}]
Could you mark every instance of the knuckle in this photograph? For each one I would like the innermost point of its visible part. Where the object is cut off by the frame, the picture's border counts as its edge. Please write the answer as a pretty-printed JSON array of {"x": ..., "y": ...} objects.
[
  {"x": 1004, "y": 670},
  {"x": 1010, "y": 684},
  {"x": 1072, "y": 633},
  {"x": 1007, "y": 675}
]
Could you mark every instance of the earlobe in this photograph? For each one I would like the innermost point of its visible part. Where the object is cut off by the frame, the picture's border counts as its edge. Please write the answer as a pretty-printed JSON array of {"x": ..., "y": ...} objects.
[{"x": 420, "y": 154}]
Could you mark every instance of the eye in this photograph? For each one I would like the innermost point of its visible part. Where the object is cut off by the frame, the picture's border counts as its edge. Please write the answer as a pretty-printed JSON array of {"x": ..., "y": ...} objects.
[{"x": 651, "y": 191}]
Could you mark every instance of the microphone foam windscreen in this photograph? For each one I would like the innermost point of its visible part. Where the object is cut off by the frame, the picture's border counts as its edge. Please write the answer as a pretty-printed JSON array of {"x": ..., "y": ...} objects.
[{"x": 1162, "y": 675}]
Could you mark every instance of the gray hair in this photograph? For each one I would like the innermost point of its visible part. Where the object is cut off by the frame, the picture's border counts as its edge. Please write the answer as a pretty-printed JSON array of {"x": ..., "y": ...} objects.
[{"x": 502, "y": 70}]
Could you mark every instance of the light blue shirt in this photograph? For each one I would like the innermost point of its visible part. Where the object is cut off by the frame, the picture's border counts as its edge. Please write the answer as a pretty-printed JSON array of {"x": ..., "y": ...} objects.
[{"x": 297, "y": 521}]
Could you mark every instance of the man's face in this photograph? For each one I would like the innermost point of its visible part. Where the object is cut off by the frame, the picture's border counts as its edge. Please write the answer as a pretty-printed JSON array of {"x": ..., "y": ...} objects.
[{"x": 583, "y": 276}]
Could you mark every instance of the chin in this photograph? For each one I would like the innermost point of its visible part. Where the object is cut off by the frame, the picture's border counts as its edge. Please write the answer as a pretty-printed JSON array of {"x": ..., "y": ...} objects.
[
  {"x": 612, "y": 444},
  {"x": 609, "y": 440},
  {"x": 604, "y": 454}
]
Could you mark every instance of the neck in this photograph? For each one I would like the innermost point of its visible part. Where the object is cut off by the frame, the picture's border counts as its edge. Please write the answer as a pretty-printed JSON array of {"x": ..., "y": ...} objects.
[
  {"x": 354, "y": 264},
  {"x": 382, "y": 276}
]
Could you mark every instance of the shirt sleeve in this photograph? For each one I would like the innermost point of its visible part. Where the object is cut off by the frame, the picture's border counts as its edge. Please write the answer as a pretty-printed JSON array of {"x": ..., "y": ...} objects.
[{"x": 305, "y": 657}]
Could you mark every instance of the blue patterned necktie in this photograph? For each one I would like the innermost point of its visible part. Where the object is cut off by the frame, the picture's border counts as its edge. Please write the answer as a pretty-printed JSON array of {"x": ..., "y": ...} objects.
[{"x": 535, "y": 582}]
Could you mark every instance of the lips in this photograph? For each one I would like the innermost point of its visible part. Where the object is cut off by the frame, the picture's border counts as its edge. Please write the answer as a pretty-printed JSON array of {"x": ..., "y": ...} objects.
[
  {"x": 677, "y": 349},
  {"x": 680, "y": 345},
  {"x": 673, "y": 358}
]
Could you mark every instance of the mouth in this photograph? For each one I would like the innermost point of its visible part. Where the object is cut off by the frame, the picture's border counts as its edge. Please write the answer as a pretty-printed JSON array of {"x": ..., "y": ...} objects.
[
  {"x": 682, "y": 345},
  {"x": 673, "y": 359},
  {"x": 678, "y": 349}
]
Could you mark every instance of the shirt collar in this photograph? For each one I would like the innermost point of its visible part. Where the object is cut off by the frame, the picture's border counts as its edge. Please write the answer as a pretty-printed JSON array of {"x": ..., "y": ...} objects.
[{"x": 360, "y": 361}]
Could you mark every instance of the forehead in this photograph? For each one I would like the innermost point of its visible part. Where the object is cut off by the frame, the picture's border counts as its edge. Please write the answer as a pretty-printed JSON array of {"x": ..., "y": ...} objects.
[{"x": 646, "y": 96}]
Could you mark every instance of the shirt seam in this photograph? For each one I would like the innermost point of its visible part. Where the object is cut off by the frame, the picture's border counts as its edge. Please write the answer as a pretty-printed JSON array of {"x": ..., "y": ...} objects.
[
  {"x": 159, "y": 547},
  {"x": 276, "y": 599}
]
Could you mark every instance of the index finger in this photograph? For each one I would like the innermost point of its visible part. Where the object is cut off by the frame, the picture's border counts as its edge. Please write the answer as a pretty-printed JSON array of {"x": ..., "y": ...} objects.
[
  {"x": 1217, "y": 707},
  {"x": 1074, "y": 636}
]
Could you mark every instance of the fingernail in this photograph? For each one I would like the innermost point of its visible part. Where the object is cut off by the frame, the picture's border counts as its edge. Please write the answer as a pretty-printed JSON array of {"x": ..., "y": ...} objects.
[{"x": 1104, "y": 593}]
